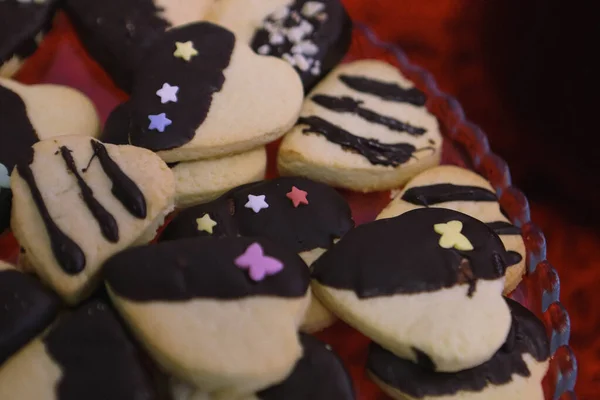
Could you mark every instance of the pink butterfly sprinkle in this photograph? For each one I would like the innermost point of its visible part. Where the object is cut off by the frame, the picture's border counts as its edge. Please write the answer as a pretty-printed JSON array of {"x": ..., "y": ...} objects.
[{"x": 257, "y": 263}]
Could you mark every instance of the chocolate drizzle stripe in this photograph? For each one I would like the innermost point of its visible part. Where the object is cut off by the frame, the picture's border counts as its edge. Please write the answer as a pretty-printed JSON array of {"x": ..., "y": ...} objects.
[
  {"x": 347, "y": 104},
  {"x": 384, "y": 90},
  {"x": 108, "y": 224},
  {"x": 504, "y": 228},
  {"x": 445, "y": 192},
  {"x": 68, "y": 254},
  {"x": 376, "y": 152},
  {"x": 124, "y": 189},
  {"x": 512, "y": 258}
]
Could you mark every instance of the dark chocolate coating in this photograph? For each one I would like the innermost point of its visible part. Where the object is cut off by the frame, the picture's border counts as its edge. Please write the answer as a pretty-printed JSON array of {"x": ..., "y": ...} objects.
[
  {"x": 97, "y": 360},
  {"x": 527, "y": 336},
  {"x": 309, "y": 226},
  {"x": 26, "y": 309},
  {"x": 385, "y": 90},
  {"x": 318, "y": 375},
  {"x": 331, "y": 36},
  {"x": 20, "y": 23},
  {"x": 378, "y": 153},
  {"x": 201, "y": 268},
  {"x": 444, "y": 192},
  {"x": 504, "y": 228},
  {"x": 402, "y": 255},
  {"x": 117, "y": 126},
  {"x": 116, "y": 33},
  {"x": 198, "y": 80}
]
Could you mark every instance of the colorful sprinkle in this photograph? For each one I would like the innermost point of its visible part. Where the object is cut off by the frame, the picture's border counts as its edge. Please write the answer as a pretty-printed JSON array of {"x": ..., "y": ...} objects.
[
  {"x": 4, "y": 177},
  {"x": 258, "y": 265},
  {"x": 159, "y": 122},
  {"x": 297, "y": 196},
  {"x": 206, "y": 223},
  {"x": 256, "y": 203},
  {"x": 452, "y": 236},
  {"x": 168, "y": 93},
  {"x": 185, "y": 50}
]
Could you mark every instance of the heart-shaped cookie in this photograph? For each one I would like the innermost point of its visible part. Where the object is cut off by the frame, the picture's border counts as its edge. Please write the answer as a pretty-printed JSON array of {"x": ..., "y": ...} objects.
[
  {"x": 201, "y": 93},
  {"x": 460, "y": 189},
  {"x": 33, "y": 113},
  {"x": 77, "y": 202}
]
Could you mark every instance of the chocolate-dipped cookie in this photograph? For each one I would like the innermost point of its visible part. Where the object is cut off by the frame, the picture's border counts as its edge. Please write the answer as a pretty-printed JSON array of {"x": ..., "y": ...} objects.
[
  {"x": 427, "y": 285},
  {"x": 221, "y": 313},
  {"x": 32, "y": 113},
  {"x": 85, "y": 355},
  {"x": 312, "y": 35},
  {"x": 514, "y": 372},
  {"x": 304, "y": 216},
  {"x": 23, "y": 25},
  {"x": 460, "y": 189},
  {"x": 26, "y": 309}
]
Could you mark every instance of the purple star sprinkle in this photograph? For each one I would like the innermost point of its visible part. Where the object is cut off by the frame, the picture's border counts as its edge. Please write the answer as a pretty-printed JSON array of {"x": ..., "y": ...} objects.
[
  {"x": 258, "y": 265},
  {"x": 159, "y": 122}
]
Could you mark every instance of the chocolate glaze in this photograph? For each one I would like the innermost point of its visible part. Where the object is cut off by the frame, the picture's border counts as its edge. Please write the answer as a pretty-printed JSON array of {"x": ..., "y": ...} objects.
[
  {"x": 504, "y": 228},
  {"x": 528, "y": 336},
  {"x": 331, "y": 36},
  {"x": 124, "y": 189},
  {"x": 96, "y": 358},
  {"x": 314, "y": 225},
  {"x": 198, "y": 80},
  {"x": 116, "y": 128},
  {"x": 26, "y": 309},
  {"x": 67, "y": 253},
  {"x": 402, "y": 255},
  {"x": 346, "y": 104},
  {"x": 513, "y": 258},
  {"x": 384, "y": 90},
  {"x": 318, "y": 375},
  {"x": 376, "y": 152},
  {"x": 5, "y": 206},
  {"x": 20, "y": 23},
  {"x": 116, "y": 33},
  {"x": 106, "y": 221},
  {"x": 443, "y": 192},
  {"x": 201, "y": 268}
]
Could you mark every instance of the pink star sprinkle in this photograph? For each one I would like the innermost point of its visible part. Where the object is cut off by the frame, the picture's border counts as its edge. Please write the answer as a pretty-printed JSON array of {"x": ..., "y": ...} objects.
[
  {"x": 257, "y": 263},
  {"x": 297, "y": 196}
]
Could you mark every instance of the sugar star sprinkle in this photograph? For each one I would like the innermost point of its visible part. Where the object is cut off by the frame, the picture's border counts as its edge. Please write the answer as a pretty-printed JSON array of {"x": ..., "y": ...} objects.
[
  {"x": 297, "y": 196},
  {"x": 4, "y": 177},
  {"x": 185, "y": 50},
  {"x": 159, "y": 122},
  {"x": 256, "y": 203},
  {"x": 168, "y": 93},
  {"x": 452, "y": 236},
  {"x": 206, "y": 224},
  {"x": 257, "y": 263}
]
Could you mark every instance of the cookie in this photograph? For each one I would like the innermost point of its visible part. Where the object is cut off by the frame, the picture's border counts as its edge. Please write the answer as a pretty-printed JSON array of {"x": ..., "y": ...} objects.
[
  {"x": 364, "y": 128},
  {"x": 86, "y": 355},
  {"x": 297, "y": 213},
  {"x": 33, "y": 113},
  {"x": 313, "y": 36},
  {"x": 26, "y": 309},
  {"x": 23, "y": 25},
  {"x": 427, "y": 285},
  {"x": 77, "y": 202},
  {"x": 514, "y": 372},
  {"x": 220, "y": 313},
  {"x": 195, "y": 96},
  {"x": 318, "y": 375},
  {"x": 116, "y": 33},
  {"x": 199, "y": 181},
  {"x": 462, "y": 190}
]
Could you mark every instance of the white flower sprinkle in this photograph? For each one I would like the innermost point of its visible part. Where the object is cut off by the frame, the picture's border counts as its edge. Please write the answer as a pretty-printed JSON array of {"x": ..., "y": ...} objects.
[
  {"x": 306, "y": 47},
  {"x": 264, "y": 49},
  {"x": 289, "y": 59},
  {"x": 311, "y": 8},
  {"x": 276, "y": 38},
  {"x": 301, "y": 62},
  {"x": 295, "y": 35}
]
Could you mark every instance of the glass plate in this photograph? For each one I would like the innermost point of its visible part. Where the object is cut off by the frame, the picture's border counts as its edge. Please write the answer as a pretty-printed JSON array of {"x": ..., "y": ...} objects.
[{"x": 62, "y": 60}]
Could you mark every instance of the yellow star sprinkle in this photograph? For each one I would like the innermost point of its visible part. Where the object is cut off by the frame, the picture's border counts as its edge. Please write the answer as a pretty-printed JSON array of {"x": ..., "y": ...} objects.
[
  {"x": 185, "y": 50},
  {"x": 206, "y": 223},
  {"x": 451, "y": 236}
]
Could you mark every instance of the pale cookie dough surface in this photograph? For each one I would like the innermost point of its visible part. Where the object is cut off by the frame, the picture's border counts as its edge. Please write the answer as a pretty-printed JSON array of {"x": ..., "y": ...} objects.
[
  {"x": 317, "y": 317},
  {"x": 353, "y": 130},
  {"x": 394, "y": 281},
  {"x": 68, "y": 245},
  {"x": 459, "y": 189},
  {"x": 208, "y": 319},
  {"x": 228, "y": 101}
]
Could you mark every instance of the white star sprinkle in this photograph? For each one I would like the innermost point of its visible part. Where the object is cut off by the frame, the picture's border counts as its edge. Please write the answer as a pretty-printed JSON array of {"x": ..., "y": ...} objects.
[
  {"x": 168, "y": 93},
  {"x": 256, "y": 203}
]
